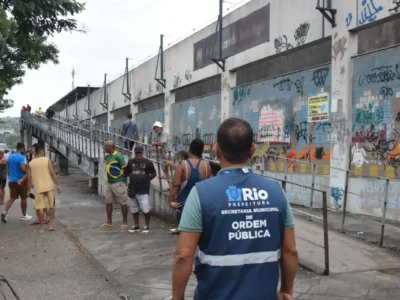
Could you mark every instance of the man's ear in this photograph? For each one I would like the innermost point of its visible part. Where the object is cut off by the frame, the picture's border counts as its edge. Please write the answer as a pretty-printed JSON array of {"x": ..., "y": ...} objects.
[
  {"x": 218, "y": 152},
  {"x": 253, "y": 150}
]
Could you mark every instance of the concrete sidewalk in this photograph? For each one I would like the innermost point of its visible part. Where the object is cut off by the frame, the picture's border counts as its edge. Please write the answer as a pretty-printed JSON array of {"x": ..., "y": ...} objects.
[
  {"x": 141, "y": 264},
  {"x": 49, "y": 266}
]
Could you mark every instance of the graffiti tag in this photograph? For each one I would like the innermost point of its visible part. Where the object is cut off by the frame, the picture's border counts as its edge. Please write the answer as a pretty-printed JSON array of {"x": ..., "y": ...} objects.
[
  {"x": 396, "y": 8},
  {"x": 386, "y": 92},
  {"x": 301, "y": 33},
  {"x": 319, "y": 76},
  {"x": 337, "y": 195},
  {"x": 286, "y": 85},
  {"x": 241, "y": 94},
  {"x": 339, "y": 47},
  {"x": 367, "y": 116},
  {"x": 349, "y": 19},
  {"x": 281, "y": 43},
  {"x": 369, "y": 11},
  {"x": 381, "y": 74},
  {"x": 358, "y": 156}
]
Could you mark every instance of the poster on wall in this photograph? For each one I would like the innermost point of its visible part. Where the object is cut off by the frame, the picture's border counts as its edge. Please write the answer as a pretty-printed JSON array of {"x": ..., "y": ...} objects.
[
  {"x": 271, "y": 125},
  {"x": 318, "y": 108}
]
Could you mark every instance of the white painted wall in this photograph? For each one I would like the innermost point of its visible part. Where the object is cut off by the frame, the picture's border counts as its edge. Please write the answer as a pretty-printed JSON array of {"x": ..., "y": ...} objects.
[{"x": 285, "y": 17}]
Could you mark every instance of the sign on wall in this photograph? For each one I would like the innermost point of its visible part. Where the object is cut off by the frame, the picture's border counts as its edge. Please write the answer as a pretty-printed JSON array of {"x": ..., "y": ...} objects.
[
  {"x": 271, "y": 125},
  {"x": 241, "y": 35},
  {"x": 318, "y": 108}
]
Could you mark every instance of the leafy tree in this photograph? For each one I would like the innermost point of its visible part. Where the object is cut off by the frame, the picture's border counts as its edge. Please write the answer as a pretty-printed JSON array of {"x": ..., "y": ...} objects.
[{"x": 24, "y": 28}]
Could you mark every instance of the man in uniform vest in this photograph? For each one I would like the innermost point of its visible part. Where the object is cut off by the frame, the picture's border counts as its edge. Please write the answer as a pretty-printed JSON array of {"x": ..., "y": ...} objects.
[{"x": 243, "y": 226}]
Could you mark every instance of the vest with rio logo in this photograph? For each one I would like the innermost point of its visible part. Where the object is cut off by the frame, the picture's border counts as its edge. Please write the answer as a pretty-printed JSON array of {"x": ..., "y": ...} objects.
[{"x": 243, "y": 228}]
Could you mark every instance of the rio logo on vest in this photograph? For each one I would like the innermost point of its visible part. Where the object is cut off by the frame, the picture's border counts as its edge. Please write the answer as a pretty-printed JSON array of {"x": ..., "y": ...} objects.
[{"x": 236, "y": 194}]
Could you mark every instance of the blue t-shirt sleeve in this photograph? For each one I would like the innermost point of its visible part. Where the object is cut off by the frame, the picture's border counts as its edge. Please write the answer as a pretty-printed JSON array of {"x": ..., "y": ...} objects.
[
  {"x": 192, "y": 218},
  {"x": 22, "y": 160}
]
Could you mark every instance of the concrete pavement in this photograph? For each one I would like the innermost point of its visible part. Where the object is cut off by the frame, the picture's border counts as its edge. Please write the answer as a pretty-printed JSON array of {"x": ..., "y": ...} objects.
[
  {"x": 50, "y": 266},
  {"x": 141, "y": 264}
]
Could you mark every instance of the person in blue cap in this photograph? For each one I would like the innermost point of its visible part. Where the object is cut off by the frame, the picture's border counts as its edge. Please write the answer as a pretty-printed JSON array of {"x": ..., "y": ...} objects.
[{"x": 242, "y": 225}]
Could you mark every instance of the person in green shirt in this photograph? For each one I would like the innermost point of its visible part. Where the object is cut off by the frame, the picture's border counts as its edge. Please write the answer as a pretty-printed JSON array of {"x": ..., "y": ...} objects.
[{"x": 116, "y": 187}]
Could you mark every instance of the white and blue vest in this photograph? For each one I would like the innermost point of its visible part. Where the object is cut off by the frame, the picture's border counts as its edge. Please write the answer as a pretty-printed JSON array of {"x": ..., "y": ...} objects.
[{"x": 243, "y": 229}]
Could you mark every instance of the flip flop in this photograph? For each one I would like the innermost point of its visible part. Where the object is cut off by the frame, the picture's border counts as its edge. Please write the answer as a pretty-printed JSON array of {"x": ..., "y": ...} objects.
[
  {"x": 34, "y": 223},
  {"x": 47, "y": 222},
  {"x": 124, "y": 227},
  {"x": 53, "y": 229},
  {"x": 105, "y": 225}
]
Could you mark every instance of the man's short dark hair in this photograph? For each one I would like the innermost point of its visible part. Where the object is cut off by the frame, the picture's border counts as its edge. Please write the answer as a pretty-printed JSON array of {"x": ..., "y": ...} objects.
[
  {"x": 38, "y": 148},
  {"x": 20, "y": 146},
  {"x": 235, "y": 139},
  {"x": 197, "y": 147},
  {"x": 184, "y": 154},
  {"x": 129, "y": 116}
]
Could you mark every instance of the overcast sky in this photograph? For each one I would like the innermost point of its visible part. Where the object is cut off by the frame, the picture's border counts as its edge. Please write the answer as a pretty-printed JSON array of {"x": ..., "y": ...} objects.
[{"x": 117, "y": 29}]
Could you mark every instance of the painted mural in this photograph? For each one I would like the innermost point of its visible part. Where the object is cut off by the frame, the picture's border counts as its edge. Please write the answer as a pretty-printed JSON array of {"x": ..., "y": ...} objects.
[
  {"x": 290, "y": 116},
  {"x": 198, "y": 117},
  {"x": 145, "y": 123},
  {"x": 376, "y": 114}
]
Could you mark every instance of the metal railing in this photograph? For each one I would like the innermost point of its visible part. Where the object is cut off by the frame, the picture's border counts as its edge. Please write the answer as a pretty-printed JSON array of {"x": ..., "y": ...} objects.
[{"x": 90, "y": 143}]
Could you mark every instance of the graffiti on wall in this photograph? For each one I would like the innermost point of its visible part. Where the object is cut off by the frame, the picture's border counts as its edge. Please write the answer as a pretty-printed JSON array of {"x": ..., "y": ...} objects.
[
  {"x": 396, "y": 7},
  {"x": 371, "y": 194},
  {"x": 300, "y": 37},
  {"x": 339, "y": 48},
  {"x": 196, "y": 118},
  {"x": 145, "y": 123},
  {"x": 349, "y": 18},
  {"x": 369, "y": 11},
  {"x": 375, "y": 131},
  {"x": 284, "y": 125}
]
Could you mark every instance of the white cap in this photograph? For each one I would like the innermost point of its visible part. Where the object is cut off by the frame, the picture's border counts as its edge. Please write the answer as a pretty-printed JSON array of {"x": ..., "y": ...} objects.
[{"x": 157, "y": 124}]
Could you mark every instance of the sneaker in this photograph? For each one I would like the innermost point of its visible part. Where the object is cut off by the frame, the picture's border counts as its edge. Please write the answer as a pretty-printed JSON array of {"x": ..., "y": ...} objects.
[
  {"x": 26, "y": 218},
  {"x": 145, "y": 229},
  {"x": 134, "y": 229},
  {"x": 174, "y": 231},
  {"x": 4, "y": 218}
]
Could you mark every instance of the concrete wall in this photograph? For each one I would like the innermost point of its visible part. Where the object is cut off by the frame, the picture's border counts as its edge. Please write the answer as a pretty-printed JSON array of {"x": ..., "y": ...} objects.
[
  {"x": 196, "y": 117},
  {"x": 272, "y": 74},
  {"x": 278, "y": 110}
]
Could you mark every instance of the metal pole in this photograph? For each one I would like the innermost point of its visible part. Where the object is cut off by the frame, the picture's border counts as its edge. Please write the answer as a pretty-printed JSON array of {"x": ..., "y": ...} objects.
[
  {"x": 284, "y": 185},
  {"x": 384, "y": 212},
  {"x": 312, "y": 192},
  {"x": 159, "y": 169},
  {"x": 162, "y": 57},
  {"x": 345, "y": 201},
  {"x": 127, "y": 77},
  {"x": 220, "y": 27},
  {"x": 326, "y": 238}
]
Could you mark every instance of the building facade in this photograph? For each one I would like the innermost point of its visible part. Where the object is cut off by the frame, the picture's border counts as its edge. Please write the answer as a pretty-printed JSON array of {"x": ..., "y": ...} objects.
[{"x": 322, "y": 94}]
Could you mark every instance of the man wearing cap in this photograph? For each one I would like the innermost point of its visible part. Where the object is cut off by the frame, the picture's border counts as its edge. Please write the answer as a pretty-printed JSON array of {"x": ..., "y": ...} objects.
[
  {"x": 163, "y": 144},
  {"x": 140, "y": 172}
]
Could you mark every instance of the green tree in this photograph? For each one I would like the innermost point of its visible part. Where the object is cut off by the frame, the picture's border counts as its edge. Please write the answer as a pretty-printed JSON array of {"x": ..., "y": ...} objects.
[{"x": 25, "y": 26}]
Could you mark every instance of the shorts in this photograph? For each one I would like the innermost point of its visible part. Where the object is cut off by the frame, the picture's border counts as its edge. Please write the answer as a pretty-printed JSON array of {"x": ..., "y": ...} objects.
[
  {"x": 40, "y": 200},
  {"x": 18, "y": 190},
  {"x": 140, "y": 203},
  {"x": 117, "y": 192},
  {"x": 3, "y": 183}
]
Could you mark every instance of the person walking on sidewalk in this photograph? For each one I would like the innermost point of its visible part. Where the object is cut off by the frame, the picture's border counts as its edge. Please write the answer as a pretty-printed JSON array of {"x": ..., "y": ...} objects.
[
  {"x": 243, "y": 226},
  {"x": 31, "y": 192},
  {"x": 140, "y": 172},
  {"x": 188, "y": 173},
  {"x": 116, "y": 186},
  {"x": 3, "y": 176},
  {"x": 129, "y": 129},
  {"x": 43, "y": 179},
  {"x": 18, "y": 177}
]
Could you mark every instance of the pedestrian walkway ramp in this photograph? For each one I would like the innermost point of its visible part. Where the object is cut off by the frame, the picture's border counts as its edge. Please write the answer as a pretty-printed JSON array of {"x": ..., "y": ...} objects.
[{"x": 346, "y": 254}]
